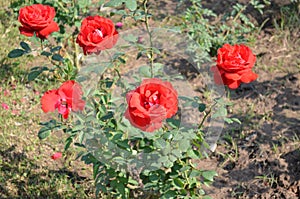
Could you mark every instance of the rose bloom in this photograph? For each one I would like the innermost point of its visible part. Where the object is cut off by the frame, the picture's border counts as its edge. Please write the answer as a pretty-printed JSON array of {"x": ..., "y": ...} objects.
[
  {"x": 96, "y": 34},
  {"x": 234, "y": 66},
  {"x": 37, "y": 19},
  {"x": 56, "y": 156},
  {"x": 149, "y": 104},
  {"x": 65, "y": 99}
]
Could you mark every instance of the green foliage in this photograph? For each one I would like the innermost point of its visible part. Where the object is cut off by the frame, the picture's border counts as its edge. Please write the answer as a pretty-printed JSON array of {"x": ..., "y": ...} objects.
[
  {"x": 231, "y": 29},
  {"x": 20, "y": 52}
]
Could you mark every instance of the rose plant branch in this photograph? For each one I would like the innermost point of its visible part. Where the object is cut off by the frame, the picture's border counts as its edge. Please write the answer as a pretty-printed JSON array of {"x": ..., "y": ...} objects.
[{"x": 146, "y": 20}]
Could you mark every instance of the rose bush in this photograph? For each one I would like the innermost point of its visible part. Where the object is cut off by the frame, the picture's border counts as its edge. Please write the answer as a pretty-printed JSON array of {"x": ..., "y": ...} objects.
[
  {"x": 65, "y": 99},
  {"x": 149, "y": 104},
  {"x": 37, "y": 19},
  {"x": 234, "y": 66},
  {"x": 97, "y": 33}
]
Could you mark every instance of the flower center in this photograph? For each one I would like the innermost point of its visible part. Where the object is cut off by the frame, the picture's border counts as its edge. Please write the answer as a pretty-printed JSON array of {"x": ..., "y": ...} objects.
[
  {"x": 99, "y": 32},
  {"x": 151, "y": 99},
  {"x": 62, "y": 106}
]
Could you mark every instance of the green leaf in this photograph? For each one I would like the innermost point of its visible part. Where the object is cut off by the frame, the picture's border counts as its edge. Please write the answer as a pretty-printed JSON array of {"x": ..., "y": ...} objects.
[
  {"x": 69, "y": 141},
  {"x": 43, "y": 133},
  {"x": 209, "y": 175},
  {"x": 34, "y": 74},
  {"x": 57, "y": 57},
  {"x": 25, "y": 46},
  {"x": 47, "y": 54},
  {"x": 201, "y": 107},
  {"x": 169, "y": 194},
  {"x": 178, "y": 183},
  {"x": 131, "y": 4},
  {"x": 57, "y": 48},
  {"x": 114, "y": 3},
  {"x": 195, "y": 173},
  {"x": 176, "y": 152},
  {"x": 184, "y": 145},
  {"x": 160, "y": 143},
  {"x": 145, "y": 71},
  {"x": 173, "y": 123},
  {"x": 236, "y": 120},
  {"x": 193, "y": 154},
  {"x": 16, "y": 53},
  {"x": 139, "y": 55}
]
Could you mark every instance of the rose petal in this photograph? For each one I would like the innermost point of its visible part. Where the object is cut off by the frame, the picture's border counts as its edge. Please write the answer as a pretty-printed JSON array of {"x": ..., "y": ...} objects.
[
  {"x": 233, "y": 84},
  {"x": 56, "y": 156},
  {"x": 49, "y": 100},
  {"x": 27, "y": 32},
  {"x": 248, "y": 77},
  {"x": 52, "y": 27},
  {"x": 5, "y": 106},
  {"x": 233, "y": 76}
]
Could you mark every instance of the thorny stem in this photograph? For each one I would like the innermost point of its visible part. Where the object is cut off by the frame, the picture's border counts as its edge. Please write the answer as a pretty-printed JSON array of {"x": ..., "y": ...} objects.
[{"x": 151, "y": 55}]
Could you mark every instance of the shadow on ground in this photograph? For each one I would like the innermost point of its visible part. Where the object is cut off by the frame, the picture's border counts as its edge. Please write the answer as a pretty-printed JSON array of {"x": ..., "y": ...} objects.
[{"x": 21, "y": 178}]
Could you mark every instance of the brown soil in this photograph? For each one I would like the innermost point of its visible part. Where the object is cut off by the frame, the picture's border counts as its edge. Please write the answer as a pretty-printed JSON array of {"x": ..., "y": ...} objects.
[{"x": 265, "y": 149}]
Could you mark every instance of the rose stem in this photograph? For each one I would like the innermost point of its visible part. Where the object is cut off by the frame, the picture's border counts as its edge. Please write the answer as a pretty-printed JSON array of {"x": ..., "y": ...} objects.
[
  {"x": 151, "y": 55},
  {"x": 42, "y": 46},
  {"x": 76, "y": 60}
]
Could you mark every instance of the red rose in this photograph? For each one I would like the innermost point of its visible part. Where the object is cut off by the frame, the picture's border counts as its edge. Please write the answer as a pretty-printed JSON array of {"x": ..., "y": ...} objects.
[
  {"x": 96, "y": 34},
  {"x": 67, "y": 98},
  {"x": 234, "y": 65},
  {"x": 37, "y": 18},
  {"x": 56, "y": 156},
  {"x": 151, "y": 103}
]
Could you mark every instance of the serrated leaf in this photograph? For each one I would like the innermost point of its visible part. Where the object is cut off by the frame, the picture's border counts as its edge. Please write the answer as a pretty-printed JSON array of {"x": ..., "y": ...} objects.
[
  {"x": 16, "y": 53},
  {"x": 131, "y": 4},
  {"x": 57, "y": 57},
  {"x": 25, "y": 46},
  {"x": 43, "y": 133}
]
